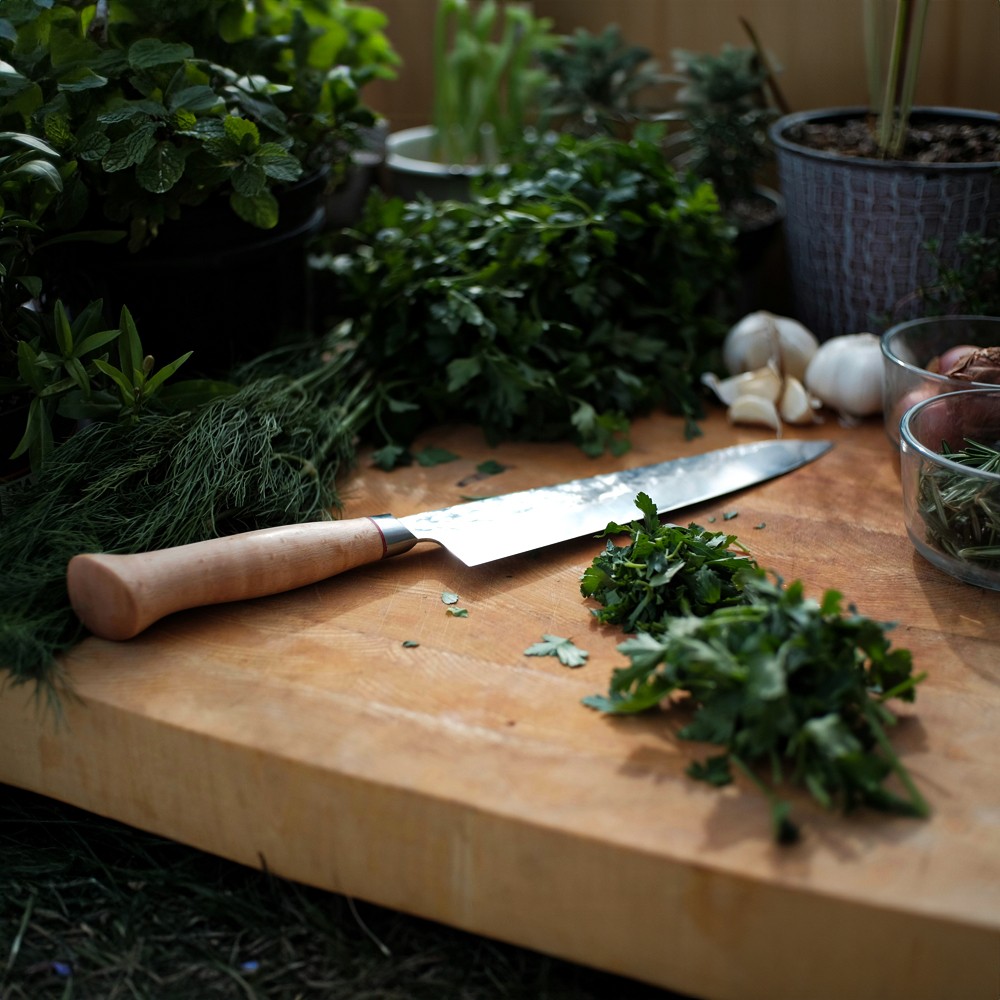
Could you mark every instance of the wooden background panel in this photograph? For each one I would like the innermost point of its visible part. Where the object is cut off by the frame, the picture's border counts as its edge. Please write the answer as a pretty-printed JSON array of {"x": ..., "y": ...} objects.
[{"x": 819, "y": 46}]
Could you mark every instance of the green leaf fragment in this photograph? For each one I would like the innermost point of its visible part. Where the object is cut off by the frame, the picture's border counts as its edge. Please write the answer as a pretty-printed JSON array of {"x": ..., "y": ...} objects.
[
  {"x": 457, "y": 612},
  {"x": 569, "y": 655},
  {"x": 447, "y": 597},
  {"x": 490, "y": 468},
  {"x": 431, "y": 456}
]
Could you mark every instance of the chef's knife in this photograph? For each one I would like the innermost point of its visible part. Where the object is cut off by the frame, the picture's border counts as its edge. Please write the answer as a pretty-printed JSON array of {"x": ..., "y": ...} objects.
[{"x": 117, "y": 596}]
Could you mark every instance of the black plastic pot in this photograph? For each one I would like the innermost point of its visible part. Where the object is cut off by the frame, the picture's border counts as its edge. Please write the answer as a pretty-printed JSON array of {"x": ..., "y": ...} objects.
[
  {"x": 856, "y": 229},
  {"x": 209, "y": 282}
]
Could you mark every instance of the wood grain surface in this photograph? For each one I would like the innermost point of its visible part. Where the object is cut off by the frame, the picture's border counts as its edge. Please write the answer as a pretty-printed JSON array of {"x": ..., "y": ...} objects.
[{"x": 463, "y": 781}]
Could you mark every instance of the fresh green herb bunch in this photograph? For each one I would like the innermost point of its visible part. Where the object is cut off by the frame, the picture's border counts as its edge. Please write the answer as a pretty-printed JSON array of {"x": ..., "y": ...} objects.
[
  {"x": 780, "y": 681},
  {"x": 663, "y": 572},
  {"x": 161, "y": 106},
  {"x": 566, "y": 298},
  {"x": 595, "y": 83},
  {"x": 962, "y": 512},
  {"x": 265, "y": 455},
  {"x": 785, "y": 684}
]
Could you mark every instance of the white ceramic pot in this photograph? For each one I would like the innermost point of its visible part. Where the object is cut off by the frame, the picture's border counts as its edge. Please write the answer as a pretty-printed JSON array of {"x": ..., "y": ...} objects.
[{"x": 411, "y": 169}]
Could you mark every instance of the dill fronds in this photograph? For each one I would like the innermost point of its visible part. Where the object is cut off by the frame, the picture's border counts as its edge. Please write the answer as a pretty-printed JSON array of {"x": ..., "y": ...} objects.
[{"x": 266, "y": 455}]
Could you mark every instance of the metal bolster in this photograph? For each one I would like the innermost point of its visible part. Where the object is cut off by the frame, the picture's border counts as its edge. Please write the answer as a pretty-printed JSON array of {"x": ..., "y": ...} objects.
[{"x": 395, "y": 537}]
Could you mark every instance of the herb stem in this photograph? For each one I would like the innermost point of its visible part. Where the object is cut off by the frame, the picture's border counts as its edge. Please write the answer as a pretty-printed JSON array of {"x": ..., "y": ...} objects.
[{"x": 917, "y": 801}]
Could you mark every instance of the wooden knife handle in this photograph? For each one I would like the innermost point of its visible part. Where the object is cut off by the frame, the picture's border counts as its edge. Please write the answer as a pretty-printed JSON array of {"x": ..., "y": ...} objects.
[{"x": 117, "y": 596}]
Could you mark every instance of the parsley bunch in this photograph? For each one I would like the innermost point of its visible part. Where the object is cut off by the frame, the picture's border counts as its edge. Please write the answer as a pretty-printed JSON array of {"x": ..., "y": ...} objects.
[
  {"x": 571, "y": 295},
  {"x": 665, "y": 571},
  {"x": 784, "y": 684}
]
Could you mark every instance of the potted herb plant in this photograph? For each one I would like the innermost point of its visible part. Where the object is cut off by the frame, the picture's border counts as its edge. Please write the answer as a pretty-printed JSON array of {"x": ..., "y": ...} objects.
[
  {"x": 867, "y": 189},
  {"x": 596, "y": 82},
  {"x": 206, "y": 134},
  {"x": 486, "y": 82},
  {"x": 725, "y": 112}
]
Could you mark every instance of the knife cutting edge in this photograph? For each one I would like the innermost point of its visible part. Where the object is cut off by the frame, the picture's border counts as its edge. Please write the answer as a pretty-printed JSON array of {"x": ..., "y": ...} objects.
[{"x": 117, "y": 596}]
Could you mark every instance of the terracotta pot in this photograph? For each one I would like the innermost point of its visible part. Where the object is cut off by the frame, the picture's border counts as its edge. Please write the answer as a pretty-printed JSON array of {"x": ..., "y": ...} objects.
[{"x": 857, "y": 228}]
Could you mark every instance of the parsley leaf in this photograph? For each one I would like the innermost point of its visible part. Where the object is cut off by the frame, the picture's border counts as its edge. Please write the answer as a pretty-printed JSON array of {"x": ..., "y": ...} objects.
[
  {"x": 457, "y": 612},
  {"x": 555, "y": 645},
  {"x": 665, "y": 570},
  {"x": 447, "y": 597}
]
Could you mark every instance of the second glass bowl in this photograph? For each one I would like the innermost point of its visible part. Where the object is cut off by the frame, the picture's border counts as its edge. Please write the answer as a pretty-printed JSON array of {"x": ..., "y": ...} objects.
[{"x": 908, "y": 348}]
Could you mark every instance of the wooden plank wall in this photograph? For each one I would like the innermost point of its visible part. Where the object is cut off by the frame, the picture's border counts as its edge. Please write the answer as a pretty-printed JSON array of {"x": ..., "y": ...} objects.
[{"x": 818, "y": 44}]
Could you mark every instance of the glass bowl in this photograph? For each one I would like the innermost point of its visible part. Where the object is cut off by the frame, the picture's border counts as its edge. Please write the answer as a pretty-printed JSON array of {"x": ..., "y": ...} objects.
[
  {"x": 951, "y": 494},
  {"x": 909, "y": 347}
]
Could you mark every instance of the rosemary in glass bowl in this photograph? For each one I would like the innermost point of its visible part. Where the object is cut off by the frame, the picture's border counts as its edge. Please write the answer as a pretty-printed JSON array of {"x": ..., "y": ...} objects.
[
  {"x": 962, "y": 512},
  {"x": 950, "y": 469}
]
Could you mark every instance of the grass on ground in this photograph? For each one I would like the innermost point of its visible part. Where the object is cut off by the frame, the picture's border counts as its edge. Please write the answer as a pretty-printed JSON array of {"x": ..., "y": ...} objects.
[{"x": 94, "y": 910}]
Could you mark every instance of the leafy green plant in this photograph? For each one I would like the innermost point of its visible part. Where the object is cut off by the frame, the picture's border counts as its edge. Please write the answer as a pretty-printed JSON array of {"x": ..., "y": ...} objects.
[
  {"x": 265, "y": 453},
  {"x": 73, "y": 378},
  {"x": 571, "y": 295},
  {"x": 725, "y": 111},
  {"x": 486, "y": 79},
  {"x": 162, "y": 106},
  {"x": 30, "y": 180},
  {"x": 970, "y": 286},
  {"x": 595, "y": 83}
]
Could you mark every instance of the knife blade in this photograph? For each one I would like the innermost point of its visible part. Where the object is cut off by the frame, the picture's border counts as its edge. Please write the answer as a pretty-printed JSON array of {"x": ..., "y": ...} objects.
[{"x": 118, "y": 596}]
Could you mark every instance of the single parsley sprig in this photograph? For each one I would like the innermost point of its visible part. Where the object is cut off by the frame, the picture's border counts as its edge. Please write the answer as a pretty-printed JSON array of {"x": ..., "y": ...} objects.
[
  {"x": 785, "y": 685},
  {"x": 665, "y": 570}
]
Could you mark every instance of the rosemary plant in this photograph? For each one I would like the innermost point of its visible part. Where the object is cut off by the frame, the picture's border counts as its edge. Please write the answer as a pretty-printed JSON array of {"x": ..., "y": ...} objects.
[{"x": 962, "y": 512}]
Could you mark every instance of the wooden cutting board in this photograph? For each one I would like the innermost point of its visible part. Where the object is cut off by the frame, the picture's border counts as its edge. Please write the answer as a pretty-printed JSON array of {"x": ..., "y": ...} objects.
[{"x": 461, "y": 780}]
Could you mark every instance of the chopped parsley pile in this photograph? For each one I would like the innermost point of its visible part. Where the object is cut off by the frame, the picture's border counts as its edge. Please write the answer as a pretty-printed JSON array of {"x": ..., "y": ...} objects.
[{"x": 784, "y": 685}]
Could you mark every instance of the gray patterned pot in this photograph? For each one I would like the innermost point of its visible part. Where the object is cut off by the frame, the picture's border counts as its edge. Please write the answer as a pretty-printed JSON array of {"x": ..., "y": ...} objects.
[{"x": 856, "y": 228}]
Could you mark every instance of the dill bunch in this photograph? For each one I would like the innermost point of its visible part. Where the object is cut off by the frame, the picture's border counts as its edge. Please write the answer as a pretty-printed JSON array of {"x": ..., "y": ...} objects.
[{"x": 265, "y": 455}]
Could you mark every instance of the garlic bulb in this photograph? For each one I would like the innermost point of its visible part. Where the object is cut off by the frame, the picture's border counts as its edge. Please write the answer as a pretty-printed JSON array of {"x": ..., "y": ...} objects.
[
  {"x": 846, "y": 374},
  {"x": 762, "y": 337}
]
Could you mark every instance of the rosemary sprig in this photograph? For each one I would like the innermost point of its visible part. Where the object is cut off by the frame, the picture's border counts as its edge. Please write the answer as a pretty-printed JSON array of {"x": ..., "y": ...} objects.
[{"x": 962, "y": 512}]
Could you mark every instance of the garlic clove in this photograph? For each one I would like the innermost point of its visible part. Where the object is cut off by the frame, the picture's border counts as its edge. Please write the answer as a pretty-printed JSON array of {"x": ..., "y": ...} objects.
[
  {"x": 755, "y": 410},
  {"x": 796, "y": 405},
  {"x": 846, "y": 374},
  {"x": 765, "y": 382},
  {"x": 762, "y": 337}
]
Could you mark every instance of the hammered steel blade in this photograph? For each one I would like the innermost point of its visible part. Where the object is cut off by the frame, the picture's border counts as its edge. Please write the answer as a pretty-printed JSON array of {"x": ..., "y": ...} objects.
[{"x": 500, "y": 526}]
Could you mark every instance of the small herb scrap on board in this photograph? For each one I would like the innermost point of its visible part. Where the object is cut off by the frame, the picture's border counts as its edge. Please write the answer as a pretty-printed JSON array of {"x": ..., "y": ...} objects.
[
  {"x": 569, "y": 654},
  {"x": 785, "y": 685}
]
